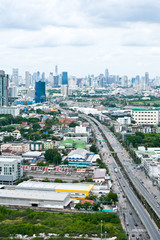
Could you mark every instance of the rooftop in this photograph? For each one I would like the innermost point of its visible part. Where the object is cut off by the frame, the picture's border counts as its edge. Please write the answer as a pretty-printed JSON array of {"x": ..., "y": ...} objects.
[
  {"x": 35, "y": 195},
  {"x": 52, "y": 186}
]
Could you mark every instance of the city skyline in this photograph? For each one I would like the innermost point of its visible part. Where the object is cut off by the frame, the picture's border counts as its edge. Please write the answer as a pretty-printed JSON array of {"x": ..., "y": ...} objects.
[{"x": 81, "y": 37}]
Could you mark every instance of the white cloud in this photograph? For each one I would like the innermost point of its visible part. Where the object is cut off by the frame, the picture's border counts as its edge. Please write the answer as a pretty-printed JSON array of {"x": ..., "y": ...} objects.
[{"x": 82, "y": 36}]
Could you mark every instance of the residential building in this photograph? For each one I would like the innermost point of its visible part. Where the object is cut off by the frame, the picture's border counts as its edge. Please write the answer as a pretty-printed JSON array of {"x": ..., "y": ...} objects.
[
  {"x": 14, "y": 147},
  {"x": 3, "y": 89},
  {"x": 124, "y": 120},
  {"x": 40, "y": 92},
  {"x": 145, "y": 116},
  {"x": 27, "y": 78},
  {"x": 10, "y": 169},
  {"x": 9, "y": 110},
  {"x": 16, "y": 134}
]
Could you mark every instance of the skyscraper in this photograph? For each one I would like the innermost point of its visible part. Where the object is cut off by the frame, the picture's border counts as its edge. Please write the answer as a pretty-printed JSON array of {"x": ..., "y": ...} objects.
[
  {"x": 64, "y": 86},
  {"x": 27, "y": 79},
  {"x": 3, "y": 89},
  {"x": 106, "y": 76},
  {"x": 15, "y": 76},
  {"x": 56, "y": 70},
  {"x": 64, "y": 78},
  {"x": 40, "y": 92}
]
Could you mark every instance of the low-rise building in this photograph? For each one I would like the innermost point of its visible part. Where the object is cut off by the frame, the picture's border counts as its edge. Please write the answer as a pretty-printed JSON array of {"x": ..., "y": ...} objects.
[
  {"x": 14, "y": 148},
  {"x": 10, "y": 169},
  {"x": 99, "y": 175},
  {"x": 145, "y": 116},
  {"x": 29, "y": 198}
]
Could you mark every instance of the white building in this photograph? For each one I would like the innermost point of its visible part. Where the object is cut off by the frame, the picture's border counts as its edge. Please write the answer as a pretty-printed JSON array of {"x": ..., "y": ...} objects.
[
  {"x": 29, "y": 198},
  {"x": 9, "y": 110},
  {"x": 16, "y": 134},
  {"x": 124, "y": 120},
  {"x": 10, "y": 169},
  {"x": 78, "y": 155},
  {"x": 145, "y": 116},
  {"x": 99, "y": 175},
  {"x": 80, "y": 130}
]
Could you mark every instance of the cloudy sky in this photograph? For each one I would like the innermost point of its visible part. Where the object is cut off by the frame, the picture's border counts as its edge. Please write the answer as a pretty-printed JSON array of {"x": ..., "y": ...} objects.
[{"x": 80, "y": 36}]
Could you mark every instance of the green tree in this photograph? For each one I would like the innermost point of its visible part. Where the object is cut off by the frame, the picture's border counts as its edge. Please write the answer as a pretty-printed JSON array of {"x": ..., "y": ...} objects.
[
  {"x": 46, "y": 180},
  {"x": 86, "y": 205},
  {"x": 73, "y": 124},
  {"x": 78, "y": 206},
  {"x": 36, "y": 126},
  {"x": 8, "y": 139},
  {"x": 93, "y": 148},
  {"x": 53, "y": 156},
  {"x": 112, "y": 197}
]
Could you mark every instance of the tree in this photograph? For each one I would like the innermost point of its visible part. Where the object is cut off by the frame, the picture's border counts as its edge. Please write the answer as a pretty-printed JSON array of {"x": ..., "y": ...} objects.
[
  {"x": 78, "y": 206},
  {"x": 93, "y": 148},
  {"x": 36, "y": 126},
  {"x": 53, "y": 156},
  {"x": 46, "y": 180},
  {"x": 8, "y": 139},
  {"x": 112, "y": 197},
  {"x": 73, "y": 124},
  {"x": 86, "y": 205}
]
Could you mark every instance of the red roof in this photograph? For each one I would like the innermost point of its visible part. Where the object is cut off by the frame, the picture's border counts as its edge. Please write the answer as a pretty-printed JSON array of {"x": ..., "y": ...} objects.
[
  {"x": 66, "y": 121},
  {"x": 86, "y": 200}
]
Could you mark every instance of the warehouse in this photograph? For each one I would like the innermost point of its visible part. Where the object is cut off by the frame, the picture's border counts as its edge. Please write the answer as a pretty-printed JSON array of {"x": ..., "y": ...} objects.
[
  {"x": 75, "y": 190},
  {"x": 31, "y": 198}
]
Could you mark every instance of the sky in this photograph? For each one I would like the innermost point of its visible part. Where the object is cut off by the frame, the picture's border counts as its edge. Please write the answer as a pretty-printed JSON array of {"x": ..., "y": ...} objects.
[{"x": 80, "y": 36}]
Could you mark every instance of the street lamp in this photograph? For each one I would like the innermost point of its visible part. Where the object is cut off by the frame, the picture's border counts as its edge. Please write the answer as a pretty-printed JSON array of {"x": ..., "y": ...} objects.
[
  {"x": 101, "y": 229},
  {"x": 105, "y": 235}
]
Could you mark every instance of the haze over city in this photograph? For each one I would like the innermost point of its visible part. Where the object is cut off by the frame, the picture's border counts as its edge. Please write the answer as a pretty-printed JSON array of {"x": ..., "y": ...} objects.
[{"x": 81, "y": 36}]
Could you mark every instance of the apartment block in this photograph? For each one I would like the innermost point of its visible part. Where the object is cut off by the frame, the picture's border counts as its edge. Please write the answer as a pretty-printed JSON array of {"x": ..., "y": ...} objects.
[{"x": 145, "y": 116}]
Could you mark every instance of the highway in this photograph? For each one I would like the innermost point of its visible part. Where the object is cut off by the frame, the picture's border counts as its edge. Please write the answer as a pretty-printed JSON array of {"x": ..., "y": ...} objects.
[{"x": 139, "y": 208}]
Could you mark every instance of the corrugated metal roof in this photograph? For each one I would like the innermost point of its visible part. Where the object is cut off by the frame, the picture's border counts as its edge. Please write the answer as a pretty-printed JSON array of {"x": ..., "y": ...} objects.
[
  {"x": 52, "y": 186},
  {"x": 33, "y": 195}
]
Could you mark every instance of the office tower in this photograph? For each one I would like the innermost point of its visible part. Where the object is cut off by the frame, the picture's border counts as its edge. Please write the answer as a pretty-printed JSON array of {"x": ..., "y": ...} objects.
[
  {"x": 43, "y": 76},
  {"x": 38, "y": 78},
  {"x": 3, "y": 88},
  {"x": 40, "y": 92},
  {"x": 13, "y": 91},
  {"x": 27, "y": 79},
  {"x": 64, "y": 86},
  {"x": 56, "y": 81},
  {"x": 64, "y": 78},
  {"x": 51, "y": 78},
  {"x": 106, "y": 76},
  {"x": 15, "y": 76},
  {"x": 56, "y": 70},
  {"x": 147, "y": 78},
  {"x": 124, "y": 81}
]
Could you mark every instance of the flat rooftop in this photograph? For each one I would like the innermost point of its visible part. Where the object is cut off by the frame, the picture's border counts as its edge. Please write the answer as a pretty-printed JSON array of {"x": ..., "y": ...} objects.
[
  {"x": 54, "y": 186},
  {"x": 33, "y": 195}
]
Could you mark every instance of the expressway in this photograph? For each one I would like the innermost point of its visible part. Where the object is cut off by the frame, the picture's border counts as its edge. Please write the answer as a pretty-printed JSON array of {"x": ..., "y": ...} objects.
[
  {"x": 139, "y": 208},
  {"x": 127, "y": 161}
]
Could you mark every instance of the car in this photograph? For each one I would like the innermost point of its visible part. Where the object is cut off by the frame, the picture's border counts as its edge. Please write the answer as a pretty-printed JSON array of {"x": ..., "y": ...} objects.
[
  {"x": 127, "y": 224},
  {"x": 119, "y": 177},
  {"x": 123, "y": 196},
  {"x": 130, "y": 213},
  {"x": 123, "y": 185},
  {"x": 133, "y": 235},
  {"x": 136, "y": 225}
]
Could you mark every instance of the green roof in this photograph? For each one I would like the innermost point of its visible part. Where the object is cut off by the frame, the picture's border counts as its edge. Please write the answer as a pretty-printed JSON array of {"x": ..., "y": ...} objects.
[{"x": 144, "y": 109}]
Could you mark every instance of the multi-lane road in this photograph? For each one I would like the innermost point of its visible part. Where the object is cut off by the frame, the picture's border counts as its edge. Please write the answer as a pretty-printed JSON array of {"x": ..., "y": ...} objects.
[{"x": 139, "y": 208}]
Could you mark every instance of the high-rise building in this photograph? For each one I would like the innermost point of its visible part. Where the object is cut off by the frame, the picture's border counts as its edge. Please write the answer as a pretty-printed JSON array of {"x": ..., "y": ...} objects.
[
  {"x": 27, "y": 79},
  {"x": 64, "y": 78},
  {"x": 106, "y": 76},
  {"x": 64, "y": 86},
  {"x": 124, "y": 81},
  {"x": 56, "y": 70},
  {"x": 15, "y": 76},
  {"x": 3, "y": 88},
  {"x": 40, "y": 92},
  {"x": 146, "y": 78},
  {"x": 43, "y": 76}
]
